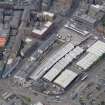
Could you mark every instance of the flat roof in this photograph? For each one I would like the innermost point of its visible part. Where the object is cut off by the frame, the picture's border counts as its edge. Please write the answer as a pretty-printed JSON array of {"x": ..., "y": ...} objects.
[
  {"x": 39, "y": 72},
  {"x": 94, "y": 53},
  {"x": 42, "y": 30},
  {"x": 87, "y": 61},
  {"x": 61, "y": 64},
  {"x": 66, "y": 77},
  {"x": 98, "y": 48},
  {"x": 48, "y": 13}
]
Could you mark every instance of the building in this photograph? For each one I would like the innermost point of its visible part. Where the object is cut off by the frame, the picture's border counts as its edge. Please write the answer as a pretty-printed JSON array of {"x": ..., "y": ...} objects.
[
  {"x": 38, "y": 103},
  {"x": 65, "y": 78},
  {"x": 46, "y": 4},
  {"x": 97, "y": 48},
  {"x": 28, "y": 66},
  {"x": 44, "y": 24},
  {"x": 10, "y": 67},
  {"x": 62, "y": 64},
  {"x": 48, "y": 16},
  {"x": 91, "y": 17},
  {"x": 6, "y": 5},
  {"x": 73, "y": 26},
  {"x": 86, "y": 21},
  {"x": 41, "y": 31},
  {"x": 87, "y": 61},
  {"x": 21, "y": 75},
  {"x": 65, "y": 3},
  {"x": 16, "y": 19},
  {"x": 47, "y": 44},
  {"x": 71, "y": 33},
  {"x": 94, "y": 53},
  {"x": 96, "y": 11},
  {"x": 29, "y": 48},
  {"x": 2, "y": 65},
  {"x": 41, "y": 70}
]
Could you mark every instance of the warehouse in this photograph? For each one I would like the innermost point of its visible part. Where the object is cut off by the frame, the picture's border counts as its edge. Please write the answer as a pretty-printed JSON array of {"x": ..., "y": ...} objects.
[
  {"x": 87, "y": 61},
  {"x": 40, "y": 71},
  {"x": 27, "y": 67},
  {"x": 94, "y": 53},
  {"x": 77, "y": 51},
  {"x": 98, "y": 48},
  {"x": 60, "y": 65},
  {"x": 57, "y": 68},
  {"x": 66, "y": 77}
]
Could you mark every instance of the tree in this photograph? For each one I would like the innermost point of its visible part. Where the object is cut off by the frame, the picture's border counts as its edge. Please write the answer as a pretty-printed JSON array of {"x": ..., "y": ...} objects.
[
  {"x": 102, "y": 102},
  {"x": 103, "y": 22}
]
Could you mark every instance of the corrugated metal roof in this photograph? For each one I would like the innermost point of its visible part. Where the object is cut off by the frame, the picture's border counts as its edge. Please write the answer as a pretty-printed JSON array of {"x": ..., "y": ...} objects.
[
  {"x": 65, "y": 78},
  {"x": 95, "y": 52},
  {"x": 87, "y": 61},
  {"x": 98, "y": 48},
  {"x": 76, "y": 51},
  {"x": 57, "y": 69},
  {"x": 60, "y": 65},
  {"x": 51, "y": 61}
]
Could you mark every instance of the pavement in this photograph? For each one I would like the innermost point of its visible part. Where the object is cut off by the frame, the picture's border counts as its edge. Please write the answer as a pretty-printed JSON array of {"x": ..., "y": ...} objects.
[{"x": 94, "y": 73}]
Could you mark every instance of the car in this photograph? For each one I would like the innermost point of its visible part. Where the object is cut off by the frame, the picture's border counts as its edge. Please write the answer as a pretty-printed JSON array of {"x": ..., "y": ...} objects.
[{"x": 85, "y": 76}]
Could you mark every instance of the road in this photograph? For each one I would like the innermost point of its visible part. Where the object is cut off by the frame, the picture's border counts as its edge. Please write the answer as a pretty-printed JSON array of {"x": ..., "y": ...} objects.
[{"x": 9, "y": 86}]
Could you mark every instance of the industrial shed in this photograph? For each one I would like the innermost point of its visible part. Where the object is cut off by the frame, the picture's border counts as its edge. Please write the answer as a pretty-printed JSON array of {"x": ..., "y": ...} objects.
[
  {"x": 65, "y": 78},
  {"x": 77, "y": 51},
  {"x": 61, "y": 64},
  {"x": 98, "y": 48},
  {"x": 87, "y": 61},
  {"x": 40, "y": 71},
  {"x": 57, "y": 68},
  {"x": 94, "y": 53}
]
